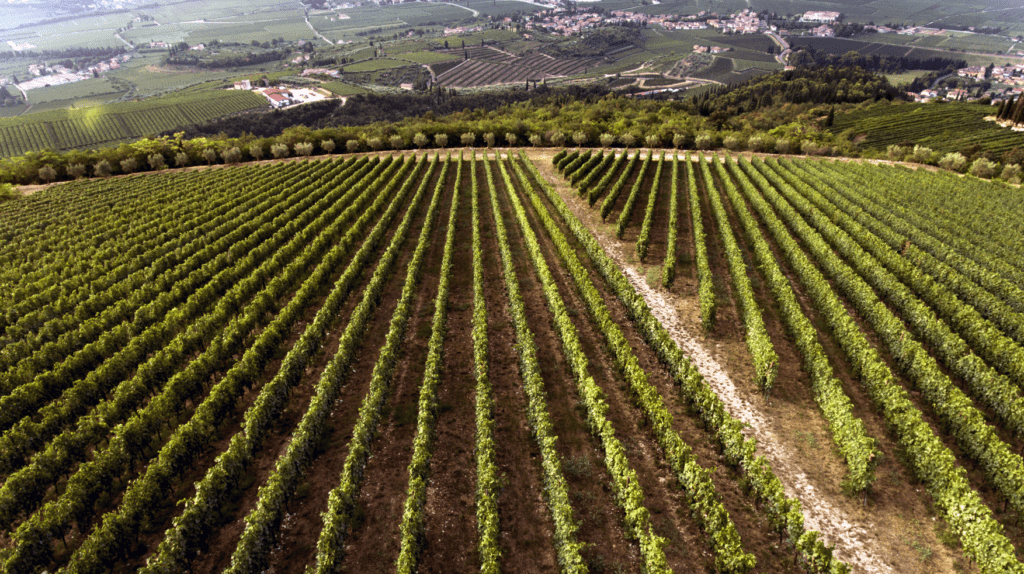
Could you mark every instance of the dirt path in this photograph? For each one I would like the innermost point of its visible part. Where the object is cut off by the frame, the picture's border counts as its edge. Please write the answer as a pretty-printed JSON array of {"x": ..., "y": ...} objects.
[{"x": 850, "y": 535}]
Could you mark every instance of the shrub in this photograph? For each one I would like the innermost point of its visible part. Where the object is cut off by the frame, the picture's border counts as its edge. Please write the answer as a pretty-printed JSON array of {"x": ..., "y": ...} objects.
[
  {"x": 704, "y": 141},
  {"x": 102, "y": 168},
  {"x": 733, "y": 142},
  {"x": 783, "y": 145},
  {"x": 762, "y": 143},
  {"x": 47, "y": 174},
  {"x": 7, "y": 192},
  {"x": 234, "y": 155},
  {"x": 1011, "y": 173},
  {"x": 279, "y": 150},
  {"x": 304, "y": 148},
  {"x": 810, "y": 147},
  {"x": 156, "y": 161},
  {"x": 953, "y": 161},
  {"x": 895, "y": 152},
  {"x": 982, "y": 167},
  {"x": 921, "y": 154}
]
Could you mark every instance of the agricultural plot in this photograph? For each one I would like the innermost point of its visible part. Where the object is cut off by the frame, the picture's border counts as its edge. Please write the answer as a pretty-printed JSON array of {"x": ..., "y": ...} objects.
[
  {"x": 488, "y": 66},
  {"x": 947, "y": 127},
  {"x": 299, "y": 352},
  {"x": 98, "y": 126},
  {"x": 910, "y": 281}
]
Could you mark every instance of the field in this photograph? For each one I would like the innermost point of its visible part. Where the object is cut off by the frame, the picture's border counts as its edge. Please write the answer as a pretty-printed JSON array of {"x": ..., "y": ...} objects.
[
  {"x": 102, "y": 125},
  {"x": 943, "y": 127},
  {"x": 879, "y": 44},
  {"x": 488, "y": 66},
  {"x": 473, "y": 362}
]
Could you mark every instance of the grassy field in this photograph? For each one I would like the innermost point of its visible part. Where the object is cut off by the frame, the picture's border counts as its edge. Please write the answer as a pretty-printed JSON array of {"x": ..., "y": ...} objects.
[
  {"x": 374, "y": 65},
  {"x": 343, "y": 89}
]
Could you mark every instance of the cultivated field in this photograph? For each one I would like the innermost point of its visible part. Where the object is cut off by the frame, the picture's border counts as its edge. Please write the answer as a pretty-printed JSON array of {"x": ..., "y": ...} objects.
[
  {"x": 109, "y": 124},
  {"x": 947, "y": 127},
  {"x": 453, "y": 364}
]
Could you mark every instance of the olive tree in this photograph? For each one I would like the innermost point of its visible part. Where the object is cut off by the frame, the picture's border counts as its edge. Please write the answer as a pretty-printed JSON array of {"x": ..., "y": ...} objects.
[
  {"x": 231, "y": 155},
  {"x": 47, "y": 174},
  {"x": 76, "y": 170},
  {"x": 279, "y": 150},
  {"x": 157, "y": 161}
]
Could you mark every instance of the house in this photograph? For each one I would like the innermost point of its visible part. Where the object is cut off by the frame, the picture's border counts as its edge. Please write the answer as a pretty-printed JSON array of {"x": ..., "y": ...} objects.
[{"x": 826, "y": 17}]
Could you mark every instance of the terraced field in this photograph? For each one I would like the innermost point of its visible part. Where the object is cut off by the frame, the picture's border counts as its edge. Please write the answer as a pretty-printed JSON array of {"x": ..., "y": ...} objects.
[{"x": 449, "y": 364}]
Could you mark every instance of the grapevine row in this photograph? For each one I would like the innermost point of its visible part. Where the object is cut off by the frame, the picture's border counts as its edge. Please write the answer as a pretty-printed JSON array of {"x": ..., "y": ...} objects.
[
  {"x": 199, "y": 517},
  {"x": 705, "y": 280},
  {"x": 783, "y": 514},
  {"x": 644, "y": 239},
  {"x": 702, "y": 497},
  {"x": 556, "y": 490},
  {"x": 262, "y": 522},
  {"x": 933, "y": 463}
]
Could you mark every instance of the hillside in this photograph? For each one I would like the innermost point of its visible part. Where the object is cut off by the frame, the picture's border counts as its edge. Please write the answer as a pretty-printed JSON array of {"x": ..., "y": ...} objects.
[{"x": 220, "y": 329}]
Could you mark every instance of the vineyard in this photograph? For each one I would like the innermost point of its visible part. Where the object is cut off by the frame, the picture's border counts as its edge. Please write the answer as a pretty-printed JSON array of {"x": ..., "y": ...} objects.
[
  {"x": 465, "y": 363},
  {"x": 948, "y": 127},
  {"x": 486, "y": 66},
  {"x": 98, "y": 126}
]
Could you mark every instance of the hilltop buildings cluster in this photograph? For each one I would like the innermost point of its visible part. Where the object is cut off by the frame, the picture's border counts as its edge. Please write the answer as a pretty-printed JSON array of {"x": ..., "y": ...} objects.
[
  {"x": 569, "y": 23},
  {"x": 56, "y": 74}
]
